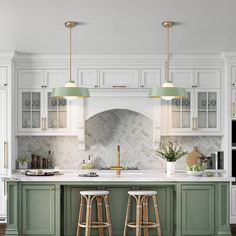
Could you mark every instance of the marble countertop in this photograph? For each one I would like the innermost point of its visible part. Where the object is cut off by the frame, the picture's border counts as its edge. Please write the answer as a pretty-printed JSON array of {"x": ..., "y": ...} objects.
[{"x": 111, "y": 176}]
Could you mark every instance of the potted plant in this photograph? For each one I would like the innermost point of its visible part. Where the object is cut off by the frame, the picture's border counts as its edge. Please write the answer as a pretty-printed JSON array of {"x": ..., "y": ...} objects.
[
  {"x": 23, "y": 163},
  {"x": 171, "y": 153}
]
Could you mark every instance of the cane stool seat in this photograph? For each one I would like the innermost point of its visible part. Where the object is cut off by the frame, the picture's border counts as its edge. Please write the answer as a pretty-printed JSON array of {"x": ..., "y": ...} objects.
[
  {"x": 142, "y": 193},
  {"x": 94, "y": 193}
]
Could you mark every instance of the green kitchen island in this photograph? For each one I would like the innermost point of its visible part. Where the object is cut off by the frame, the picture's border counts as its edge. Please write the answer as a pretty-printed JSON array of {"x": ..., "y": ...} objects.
[{"x": 50, "y": 205}]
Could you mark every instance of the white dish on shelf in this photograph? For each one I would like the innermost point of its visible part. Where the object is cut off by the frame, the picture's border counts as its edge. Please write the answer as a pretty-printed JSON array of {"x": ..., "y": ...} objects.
[{"x": 194, "y": 173}]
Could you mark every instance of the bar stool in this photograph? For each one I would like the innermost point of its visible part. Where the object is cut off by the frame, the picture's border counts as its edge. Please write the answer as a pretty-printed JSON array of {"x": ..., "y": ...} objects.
[
  {"x": 141, "y": 198},
  {"x": 89, "y": 196}
]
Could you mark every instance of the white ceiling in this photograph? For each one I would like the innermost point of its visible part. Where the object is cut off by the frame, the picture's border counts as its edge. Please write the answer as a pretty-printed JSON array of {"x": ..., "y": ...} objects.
[{"x": 118, "y": 26}]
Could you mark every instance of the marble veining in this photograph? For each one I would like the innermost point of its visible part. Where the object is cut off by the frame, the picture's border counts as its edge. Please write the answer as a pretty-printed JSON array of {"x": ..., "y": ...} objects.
[{"x": 104, "y": 131}]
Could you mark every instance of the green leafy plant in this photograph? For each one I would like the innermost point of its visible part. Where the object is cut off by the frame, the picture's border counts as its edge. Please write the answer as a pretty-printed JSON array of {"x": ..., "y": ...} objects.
[
  {"x": 170, "y": 152},
  {"x": 24, "y": 160}
]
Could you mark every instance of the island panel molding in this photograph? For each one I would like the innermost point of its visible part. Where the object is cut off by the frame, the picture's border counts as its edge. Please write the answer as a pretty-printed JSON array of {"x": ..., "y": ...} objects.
[{"x": 65, "y": 195}]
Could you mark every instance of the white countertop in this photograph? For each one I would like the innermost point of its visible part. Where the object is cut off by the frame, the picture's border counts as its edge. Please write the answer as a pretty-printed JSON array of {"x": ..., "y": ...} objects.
[{"x": 111, "y": 176}]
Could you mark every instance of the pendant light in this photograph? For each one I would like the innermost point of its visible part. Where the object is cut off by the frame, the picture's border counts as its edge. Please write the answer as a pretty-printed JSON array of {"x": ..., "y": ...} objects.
[
  {"x": 70, "y": 91},
  {"x": 167, "y": 91}
]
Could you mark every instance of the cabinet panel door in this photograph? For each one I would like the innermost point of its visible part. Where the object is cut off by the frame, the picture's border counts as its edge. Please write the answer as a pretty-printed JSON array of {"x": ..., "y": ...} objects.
[
  {"x": 233, "y": 110},
  {"x": 38, "y": 210},
  {"x": 56, "y": 78},
  {"x": 233, "y": 76},
  {"x": 181, "y": 117},
  {"x": 208, "y": 109},
  {"x": 3, "y": 129},
  {"x": 88, "y": 78},
  {"x": 206, "y": 78},
  {"x": 165, "y": 207},
  {"x": 233, "y": 202},
  {"x": 3, "y": 212},
  {"x": 57, "y": 113},
  {"x": 119, "y": 78},
  {"x": 198, "y": 214},
  {"x": 3, "y": 76},
  {"x": 31, "y": 79},
  {"x": 150, "y": 78},
  {"x": 30, "y": 110},
  {"x": 182, "y": 77},
  {"x": 71, "y": 208}
]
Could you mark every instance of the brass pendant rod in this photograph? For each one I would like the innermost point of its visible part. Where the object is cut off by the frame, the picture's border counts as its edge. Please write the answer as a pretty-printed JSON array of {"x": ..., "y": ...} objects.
[
  {"x": 168, "y": 55},
  {"x": 70, "y": 51}
]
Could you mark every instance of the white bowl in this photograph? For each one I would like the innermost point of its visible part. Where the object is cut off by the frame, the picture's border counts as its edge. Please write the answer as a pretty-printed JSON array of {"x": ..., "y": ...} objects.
[{"x": 194, "y": 173}]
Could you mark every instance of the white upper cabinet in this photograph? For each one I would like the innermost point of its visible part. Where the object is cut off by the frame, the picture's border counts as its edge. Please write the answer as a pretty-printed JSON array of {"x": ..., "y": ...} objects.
[
  {"x": 207, "y": 78},
  {"x": 199, "y": 112},
  {"x": 38, "y": 112},
  {"x": 28, "y": 79},
  {"x": 233, "y": 76},
  {"x": 119, "y": 78},
  {"x": 88, "y": 78},
  {"x": 196, "y": 78},
  {"x": 56, "y": 78},
  {"x": 150, "y": 78},
  {"x": 3, "y": 76},
  {"x": 182, "y": 77}
]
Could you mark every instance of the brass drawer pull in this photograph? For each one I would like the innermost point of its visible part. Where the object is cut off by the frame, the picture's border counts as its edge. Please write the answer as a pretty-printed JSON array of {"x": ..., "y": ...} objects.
[
  {"x": 5, "y": 188},
  {"x": 5, "y": 154},
  {"x": 45, "y": 124},
  {"x": 118, "y": 86},
  {"x": 42, "y": 124}
]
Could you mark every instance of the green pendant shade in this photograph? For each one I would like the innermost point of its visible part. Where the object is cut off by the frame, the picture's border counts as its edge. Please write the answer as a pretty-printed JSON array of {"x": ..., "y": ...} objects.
[
  {"x": 167, "y": 91},
  {"x": 70, "y": 92}
]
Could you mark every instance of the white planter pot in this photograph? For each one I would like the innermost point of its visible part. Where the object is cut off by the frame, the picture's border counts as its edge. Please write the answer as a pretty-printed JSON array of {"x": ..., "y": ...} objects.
[
  {"x": 170, "y": 168},
  {"x": 23, "y": 166}
]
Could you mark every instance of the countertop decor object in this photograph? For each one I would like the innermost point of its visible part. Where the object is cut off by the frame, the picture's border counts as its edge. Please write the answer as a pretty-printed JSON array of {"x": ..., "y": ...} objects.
[
  {"x": 167, "y": 91},
  {"x": 171, "y": 153},
  {"x": 194, "y": 173},
  {"x": 70, "y": 91},
  {"x": 193, "y": 156}
]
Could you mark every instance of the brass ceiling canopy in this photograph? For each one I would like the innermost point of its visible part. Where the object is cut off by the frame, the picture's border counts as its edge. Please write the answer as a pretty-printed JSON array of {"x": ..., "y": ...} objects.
[{"x": 70, "y": 24}]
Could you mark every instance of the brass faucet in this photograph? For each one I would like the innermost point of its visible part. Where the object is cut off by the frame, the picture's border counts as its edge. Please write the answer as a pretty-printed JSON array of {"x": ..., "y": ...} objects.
[{"x": 118, "y": 167}]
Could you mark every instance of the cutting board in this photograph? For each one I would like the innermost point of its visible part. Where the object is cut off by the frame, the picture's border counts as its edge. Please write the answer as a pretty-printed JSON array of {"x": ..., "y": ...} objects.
[{"x": 192, "y": 157}]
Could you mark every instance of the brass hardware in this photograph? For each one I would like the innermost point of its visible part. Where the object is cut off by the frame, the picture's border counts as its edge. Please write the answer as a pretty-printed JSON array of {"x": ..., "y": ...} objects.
[
  {"x": 118, "y": 86},
  {"x": 233, "y": 106},
  {"x": 118, "y": 167},
  {"x": 70, "y": 24},
  {"x": 95, "y": 86},
  {"x": 196, "y": 124},
  {"x": 5, "y": 188},
  {"x": 167, "y": 24},
  {"x": 42, "y": 124},
  {"x": 192, "y": 124},
  {"x": 233, "y": 84},
  {"x": 45, "y": 124},
  {"x": 142, "y": 86},
  {"x": 5, "y": 154},
  {"x": 5, "y": 84}
]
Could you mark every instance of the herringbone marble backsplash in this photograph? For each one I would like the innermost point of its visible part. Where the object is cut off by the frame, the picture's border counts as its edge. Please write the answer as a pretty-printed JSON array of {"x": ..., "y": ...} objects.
[{"x": 104, "y": 131}]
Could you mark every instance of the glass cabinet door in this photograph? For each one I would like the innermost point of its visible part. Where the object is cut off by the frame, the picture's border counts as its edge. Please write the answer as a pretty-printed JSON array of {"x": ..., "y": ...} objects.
[
  {"x": 207, "y": 109},
  {"x": 30, "y": 109},
  {"x": 57, "y": 110},
  {"x": 181, "y": 113}
]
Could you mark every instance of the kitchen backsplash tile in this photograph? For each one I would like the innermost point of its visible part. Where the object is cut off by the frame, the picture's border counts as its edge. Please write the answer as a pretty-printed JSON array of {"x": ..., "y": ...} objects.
[{"x": 104, "y": 131}]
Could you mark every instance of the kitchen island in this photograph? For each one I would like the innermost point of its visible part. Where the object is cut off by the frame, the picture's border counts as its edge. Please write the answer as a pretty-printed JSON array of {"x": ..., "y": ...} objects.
[{"x": 50, "y": 205}]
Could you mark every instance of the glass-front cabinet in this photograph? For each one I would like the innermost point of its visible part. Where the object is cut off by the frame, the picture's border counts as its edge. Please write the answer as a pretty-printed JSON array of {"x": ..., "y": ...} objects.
[
  {"x": 38, "y": 111},
  {"x": 199, "y": 111},
  {"x": 57, "y": 113},
  {"x": 182, "y": 113},
  {"x": 30, "y": 109}
]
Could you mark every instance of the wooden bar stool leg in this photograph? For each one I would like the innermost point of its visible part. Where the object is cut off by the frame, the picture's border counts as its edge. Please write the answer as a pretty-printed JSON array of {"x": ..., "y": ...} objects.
[
  {"x": 88, "y": 216},
  {"x": 138, "y": 217},
  {"x": 145, "y": 214},
  {"x": 80, "y": 215},
  {"x": 108, "y": 215},
  {"x": 127, "y": 216},
  {"x": 99, "y": 214},
  {"x": 154, "y": 198}
]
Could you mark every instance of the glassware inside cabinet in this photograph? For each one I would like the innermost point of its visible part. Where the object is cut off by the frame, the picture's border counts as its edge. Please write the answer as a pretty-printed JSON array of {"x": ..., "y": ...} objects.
[
  {"x": 207, "y": 109},
  {"x": 181, "y": 112},
  {"x": 57, "y": 112},
  {"x": 31, "y": 109}
]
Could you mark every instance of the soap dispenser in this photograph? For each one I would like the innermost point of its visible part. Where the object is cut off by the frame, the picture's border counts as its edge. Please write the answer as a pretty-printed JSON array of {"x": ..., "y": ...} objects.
[{"x": 89, "y": 163}]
